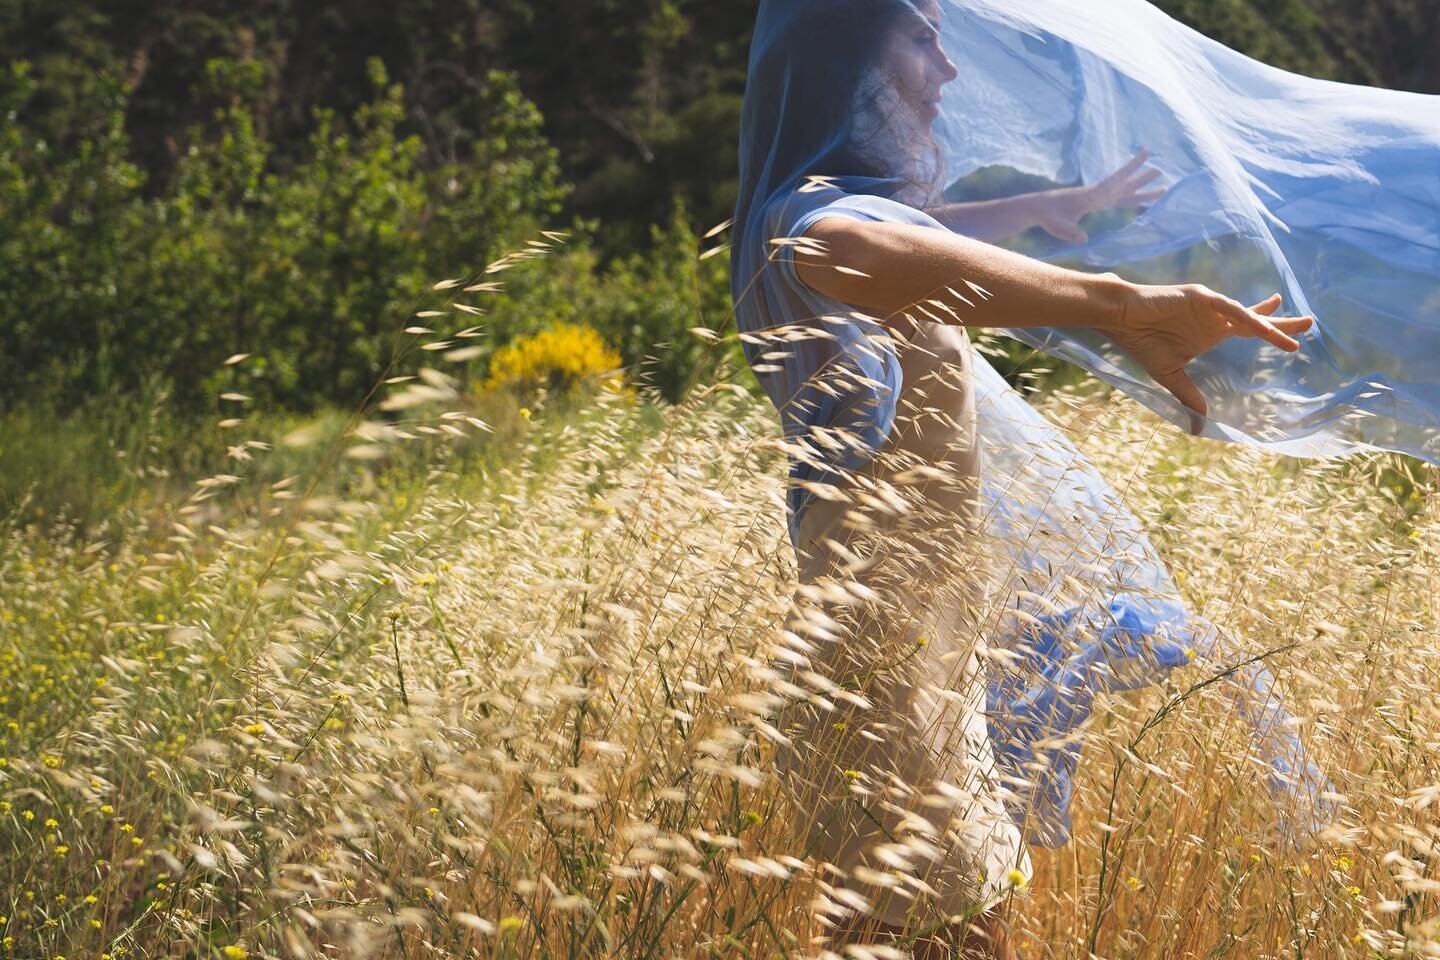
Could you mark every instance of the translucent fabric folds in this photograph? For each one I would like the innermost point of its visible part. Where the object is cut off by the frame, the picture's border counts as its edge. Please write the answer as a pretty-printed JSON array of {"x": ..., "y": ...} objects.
[{"x": 1326, "y": 192}]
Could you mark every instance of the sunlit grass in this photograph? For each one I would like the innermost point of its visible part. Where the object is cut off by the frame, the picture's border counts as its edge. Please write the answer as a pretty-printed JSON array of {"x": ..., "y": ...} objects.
[{"x": 524, "y": 708}]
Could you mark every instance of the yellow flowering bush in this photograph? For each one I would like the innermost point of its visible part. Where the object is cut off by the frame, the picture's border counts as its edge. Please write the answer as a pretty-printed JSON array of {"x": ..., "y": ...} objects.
[{"x": 560, "y": 358}]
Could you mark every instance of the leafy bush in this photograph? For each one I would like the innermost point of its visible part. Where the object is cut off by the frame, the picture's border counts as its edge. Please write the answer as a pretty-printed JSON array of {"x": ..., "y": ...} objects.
[
  {"x": 644, "y": 304},
  {"x": 312, "y": 268}
]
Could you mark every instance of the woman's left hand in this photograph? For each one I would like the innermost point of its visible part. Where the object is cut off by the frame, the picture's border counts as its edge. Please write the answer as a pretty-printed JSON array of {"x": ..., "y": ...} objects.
[{"x": 1058, "y": 212}]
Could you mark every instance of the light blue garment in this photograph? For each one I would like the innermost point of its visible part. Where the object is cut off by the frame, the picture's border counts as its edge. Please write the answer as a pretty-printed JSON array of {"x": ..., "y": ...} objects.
[
  {"x": 842, "y": 373},
  {"x": 1326, "y": 192},
  {"x": 1099, "y": 613}
]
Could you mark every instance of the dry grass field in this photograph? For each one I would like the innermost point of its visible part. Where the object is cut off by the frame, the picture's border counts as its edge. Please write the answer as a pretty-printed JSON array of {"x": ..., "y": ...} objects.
[{"x": 527, "y": 711}]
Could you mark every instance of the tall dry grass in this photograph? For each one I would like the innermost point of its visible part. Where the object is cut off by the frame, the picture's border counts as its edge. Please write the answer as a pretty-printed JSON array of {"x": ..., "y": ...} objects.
[{"x": 535, "y": 716}]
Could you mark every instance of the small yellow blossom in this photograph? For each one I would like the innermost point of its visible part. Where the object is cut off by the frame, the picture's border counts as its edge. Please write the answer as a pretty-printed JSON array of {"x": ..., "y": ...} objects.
[
  {"x": 508, "y": 924},
  {"x": 234, "y": 952},
  {"x": 106, "y": 808},
  {"x": 255, "y": 729},
  {"x": 1016, "y": 878}
]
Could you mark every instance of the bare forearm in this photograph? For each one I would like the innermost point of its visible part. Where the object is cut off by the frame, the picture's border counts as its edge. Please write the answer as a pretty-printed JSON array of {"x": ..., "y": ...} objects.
[
  {"x": 988, "y": 219},
  {"x": 929, "y": 272}
]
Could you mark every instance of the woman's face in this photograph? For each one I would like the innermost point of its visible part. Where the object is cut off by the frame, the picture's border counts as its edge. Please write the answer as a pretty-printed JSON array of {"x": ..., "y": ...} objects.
[{"x": 913, "y": 56}]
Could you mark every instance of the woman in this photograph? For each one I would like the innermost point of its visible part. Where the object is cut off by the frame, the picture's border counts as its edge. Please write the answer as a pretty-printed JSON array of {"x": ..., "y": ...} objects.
[{"x": 854, "y": 279}]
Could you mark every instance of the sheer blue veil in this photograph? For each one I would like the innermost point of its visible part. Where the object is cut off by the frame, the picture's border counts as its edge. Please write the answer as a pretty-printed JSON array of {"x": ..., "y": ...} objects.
[{"x": 1328, "y": 193}]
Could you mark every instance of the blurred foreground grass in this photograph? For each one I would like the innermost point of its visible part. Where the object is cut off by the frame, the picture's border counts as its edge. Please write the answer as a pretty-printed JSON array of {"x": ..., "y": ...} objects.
[{"x": 506, "y": 697}]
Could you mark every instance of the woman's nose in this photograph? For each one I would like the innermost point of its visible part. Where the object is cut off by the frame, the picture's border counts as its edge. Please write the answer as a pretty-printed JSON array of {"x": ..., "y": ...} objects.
[{"x": 948, "y": 70}]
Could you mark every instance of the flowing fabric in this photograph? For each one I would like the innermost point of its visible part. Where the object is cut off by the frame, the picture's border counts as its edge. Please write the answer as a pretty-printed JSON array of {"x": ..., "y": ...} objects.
[
  {"x": 1329, "y": 193},
  {"x": 1325, "y": 191}
]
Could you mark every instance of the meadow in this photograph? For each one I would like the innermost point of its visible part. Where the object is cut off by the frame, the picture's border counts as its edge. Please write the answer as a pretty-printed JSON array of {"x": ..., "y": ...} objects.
[{"x": 491, "y": 674}]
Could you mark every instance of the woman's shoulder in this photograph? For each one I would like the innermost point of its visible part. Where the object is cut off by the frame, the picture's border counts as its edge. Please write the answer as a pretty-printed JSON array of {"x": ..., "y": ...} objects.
[{"x": 792, "y": 211}]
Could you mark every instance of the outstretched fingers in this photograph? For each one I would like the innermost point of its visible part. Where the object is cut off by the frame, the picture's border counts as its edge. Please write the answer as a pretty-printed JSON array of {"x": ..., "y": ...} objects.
[
  {"x": 1130, "y": 167},
  {"x": 1254, "y": 321},
  {"x": 1284, "y": 324}
]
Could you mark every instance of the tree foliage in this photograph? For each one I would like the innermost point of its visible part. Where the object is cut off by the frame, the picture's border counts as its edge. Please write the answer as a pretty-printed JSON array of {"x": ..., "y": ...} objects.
[{"x": 185, "y": 179}]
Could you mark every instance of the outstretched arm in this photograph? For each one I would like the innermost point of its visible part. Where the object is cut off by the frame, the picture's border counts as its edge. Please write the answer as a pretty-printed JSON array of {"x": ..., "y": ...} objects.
[
  {"x": 990, "y": 219},
  {"x": 1058, "y": 211},
  {"x": 891, "y": 268},
  {"x": 895, "y": 269}
]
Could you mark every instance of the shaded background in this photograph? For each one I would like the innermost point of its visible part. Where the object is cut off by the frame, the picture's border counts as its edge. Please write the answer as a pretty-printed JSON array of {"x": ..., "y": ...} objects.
[{"x": 183, "y": 180}]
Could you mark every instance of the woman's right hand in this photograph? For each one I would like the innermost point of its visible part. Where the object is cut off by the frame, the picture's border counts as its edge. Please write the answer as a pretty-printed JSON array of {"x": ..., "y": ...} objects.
[{"x": 1164, "y": 327}]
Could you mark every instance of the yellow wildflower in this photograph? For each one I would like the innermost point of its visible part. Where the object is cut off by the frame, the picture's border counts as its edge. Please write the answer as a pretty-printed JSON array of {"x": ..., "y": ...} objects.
[{"x": 560, "y": 357}]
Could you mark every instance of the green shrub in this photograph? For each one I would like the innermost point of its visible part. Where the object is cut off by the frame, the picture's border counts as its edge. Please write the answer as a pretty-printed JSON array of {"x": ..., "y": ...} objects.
[{"x": 312, "y": 268}]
